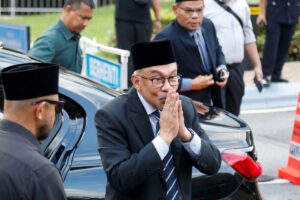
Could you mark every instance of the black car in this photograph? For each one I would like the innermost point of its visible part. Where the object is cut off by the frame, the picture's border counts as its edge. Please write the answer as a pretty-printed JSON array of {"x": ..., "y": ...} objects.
[{"x": 72, "y": 143}]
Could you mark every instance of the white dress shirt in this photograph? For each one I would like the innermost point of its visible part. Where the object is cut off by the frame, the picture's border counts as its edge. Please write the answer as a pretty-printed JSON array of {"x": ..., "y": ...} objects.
[
  {"x": 231, "y": 36},
  {"x": 162, "y": 148}
]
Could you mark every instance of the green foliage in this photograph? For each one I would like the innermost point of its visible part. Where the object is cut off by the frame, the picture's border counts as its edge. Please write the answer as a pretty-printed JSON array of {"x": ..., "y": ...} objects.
[
  {"x": 294, "y": 50},
  {"x": 100, "y": 27},
  {"x": 166, "y": 14}
]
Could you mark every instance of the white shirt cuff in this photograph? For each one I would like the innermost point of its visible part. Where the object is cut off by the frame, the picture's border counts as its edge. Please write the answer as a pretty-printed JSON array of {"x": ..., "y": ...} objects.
[
  {"x": 194, "y": 146},
  {"x": 161, "y": 147}
]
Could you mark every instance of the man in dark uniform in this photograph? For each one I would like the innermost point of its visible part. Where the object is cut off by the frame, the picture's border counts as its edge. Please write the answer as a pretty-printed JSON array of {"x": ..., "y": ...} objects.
[
  {"x": 280, "y": 18},
  {"x": 133, "y": 23},
  {"x": 31, "y": 101}
]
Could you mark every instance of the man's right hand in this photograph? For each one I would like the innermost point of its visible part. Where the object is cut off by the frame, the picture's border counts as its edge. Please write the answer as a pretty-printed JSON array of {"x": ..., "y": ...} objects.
[
  {"x": 202, "y": 81},
  {"x": 169, "y": 124},
  {"x": 261, "y": 20},
  {"x": 200, "y": 107}
]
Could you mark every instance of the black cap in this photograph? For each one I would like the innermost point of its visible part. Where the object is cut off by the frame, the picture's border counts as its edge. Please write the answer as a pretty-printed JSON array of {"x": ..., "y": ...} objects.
[
  {"x": 30, "y": 80},
  {"x": 148, "y": 54}
]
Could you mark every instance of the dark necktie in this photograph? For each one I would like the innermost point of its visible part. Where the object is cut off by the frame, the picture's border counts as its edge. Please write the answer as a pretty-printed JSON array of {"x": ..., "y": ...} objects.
[
  {"x": 169, "y": 169},
  {"x": 202, "y": 50}
]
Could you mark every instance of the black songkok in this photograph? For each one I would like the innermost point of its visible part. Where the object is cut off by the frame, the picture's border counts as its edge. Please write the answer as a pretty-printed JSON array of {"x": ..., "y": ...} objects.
[
  {"x": 149, "y": 54},
  {"x": 30, "y": 80}
]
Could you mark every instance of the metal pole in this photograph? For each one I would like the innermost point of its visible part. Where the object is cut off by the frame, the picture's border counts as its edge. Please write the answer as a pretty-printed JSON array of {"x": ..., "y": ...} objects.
[
  {"x": 124, "y": 70},
  {"x": 13, "y": 8},
  {"x": 96, "y": 3}
]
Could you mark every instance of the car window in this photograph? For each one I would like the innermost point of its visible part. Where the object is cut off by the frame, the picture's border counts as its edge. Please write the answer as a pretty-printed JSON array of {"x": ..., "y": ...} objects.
[{"x": 67, "y": 131}]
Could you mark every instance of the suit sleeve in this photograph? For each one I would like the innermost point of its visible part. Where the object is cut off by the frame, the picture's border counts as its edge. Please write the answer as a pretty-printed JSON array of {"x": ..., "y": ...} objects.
[
  {"x": 209, "y": 161},
  {"x": 125, "y": 170},
  {"x": 160, "y": 36}
]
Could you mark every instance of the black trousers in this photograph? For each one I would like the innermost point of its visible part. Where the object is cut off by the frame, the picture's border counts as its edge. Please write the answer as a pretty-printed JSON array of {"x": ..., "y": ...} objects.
[
  {"x": 234, "y": 89},
  {"x": 278, "y": 39},
  {"x": 129, "y": 33}
]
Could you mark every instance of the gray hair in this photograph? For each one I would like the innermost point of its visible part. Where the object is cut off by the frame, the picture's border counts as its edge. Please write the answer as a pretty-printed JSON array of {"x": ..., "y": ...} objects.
[{"x": 77, "y": 3}]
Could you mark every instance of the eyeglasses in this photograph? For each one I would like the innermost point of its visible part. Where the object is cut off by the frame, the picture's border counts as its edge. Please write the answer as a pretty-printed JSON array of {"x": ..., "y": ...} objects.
[
  {"x": 191, "y": 11},
  {"x": 160, "y": 82},
  {"x": 58, "y": 104}
]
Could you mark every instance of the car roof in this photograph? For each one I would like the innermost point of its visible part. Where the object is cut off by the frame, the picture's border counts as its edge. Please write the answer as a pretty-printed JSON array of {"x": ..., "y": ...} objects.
[{"x": 8, "y": 58}]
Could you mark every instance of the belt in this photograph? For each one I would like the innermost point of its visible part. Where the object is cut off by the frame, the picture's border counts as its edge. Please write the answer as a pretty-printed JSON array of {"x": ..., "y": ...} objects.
[{"x": 233, "y": 65}]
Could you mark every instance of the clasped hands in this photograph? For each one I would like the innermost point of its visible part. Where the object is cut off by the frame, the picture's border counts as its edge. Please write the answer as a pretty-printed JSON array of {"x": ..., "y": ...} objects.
[{"x": 172, "y": 119}]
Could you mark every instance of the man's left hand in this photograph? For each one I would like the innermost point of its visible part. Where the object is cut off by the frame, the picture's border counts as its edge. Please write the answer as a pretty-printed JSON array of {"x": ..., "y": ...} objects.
[
  {"x": 224, "y": 77},
  {"x": 183, "y": 133}
]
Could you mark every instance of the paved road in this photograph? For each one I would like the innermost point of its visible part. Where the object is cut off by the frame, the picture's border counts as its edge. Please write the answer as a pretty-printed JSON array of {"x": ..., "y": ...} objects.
[{"x": 272, "y": 132}]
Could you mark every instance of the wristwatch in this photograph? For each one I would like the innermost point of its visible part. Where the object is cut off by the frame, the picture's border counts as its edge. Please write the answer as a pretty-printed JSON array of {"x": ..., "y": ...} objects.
[{"x": 192, "y": 132}]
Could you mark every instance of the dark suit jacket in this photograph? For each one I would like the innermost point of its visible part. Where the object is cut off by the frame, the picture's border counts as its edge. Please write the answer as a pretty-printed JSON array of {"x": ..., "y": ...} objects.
[
  {"x": 24, "y": 171},
  {"x": 284, "y": 12},
  {"x": 189, "y": 60},
  {"x": 131, "y": 11},
  {"x": 133, "y": 167}
]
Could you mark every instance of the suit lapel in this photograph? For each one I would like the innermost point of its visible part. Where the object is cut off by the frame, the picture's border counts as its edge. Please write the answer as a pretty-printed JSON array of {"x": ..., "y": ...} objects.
[
  {"x": 208, "y": 46},
  {"x": 142, "y": 123},
  {"x": 188, "y": 42},
  {"x": 139, "y": 117}
]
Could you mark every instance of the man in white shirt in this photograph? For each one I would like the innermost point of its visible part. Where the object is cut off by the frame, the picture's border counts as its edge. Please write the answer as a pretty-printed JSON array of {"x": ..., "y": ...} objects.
[{"x": 236, "y": 37}]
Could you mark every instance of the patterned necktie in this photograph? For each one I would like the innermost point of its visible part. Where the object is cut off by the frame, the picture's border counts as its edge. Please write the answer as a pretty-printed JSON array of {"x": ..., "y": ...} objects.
[
  {"x": 202, "y": 50},
  {"x": 169, "y": 169}
]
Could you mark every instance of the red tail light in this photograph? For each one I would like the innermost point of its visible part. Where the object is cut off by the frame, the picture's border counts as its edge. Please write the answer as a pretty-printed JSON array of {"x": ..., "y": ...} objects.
[{"x": 243, "y": 164}]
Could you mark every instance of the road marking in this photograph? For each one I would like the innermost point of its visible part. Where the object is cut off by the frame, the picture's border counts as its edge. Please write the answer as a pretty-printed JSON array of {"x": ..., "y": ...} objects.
[
  {"x": 274, "y": 181},
  {"x": 270, "y": 110}
]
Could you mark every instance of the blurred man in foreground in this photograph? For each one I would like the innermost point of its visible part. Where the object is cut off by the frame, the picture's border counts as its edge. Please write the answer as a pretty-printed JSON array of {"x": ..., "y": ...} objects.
[{"x": 30, "y": 105}]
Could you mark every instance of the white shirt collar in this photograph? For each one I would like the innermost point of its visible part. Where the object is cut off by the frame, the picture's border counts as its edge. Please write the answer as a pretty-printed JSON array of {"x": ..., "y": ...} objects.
[{"x": 148, "y": 107}]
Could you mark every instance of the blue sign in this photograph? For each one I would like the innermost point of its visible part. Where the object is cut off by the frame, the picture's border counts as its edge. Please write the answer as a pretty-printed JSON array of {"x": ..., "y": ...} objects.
[
  {"x": 103, "y": 71},
  {"x": 15, "y": 37}
]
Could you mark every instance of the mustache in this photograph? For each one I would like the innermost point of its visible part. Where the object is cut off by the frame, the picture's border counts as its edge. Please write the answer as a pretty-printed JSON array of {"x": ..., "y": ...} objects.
[{"x": 163, "y": 98}]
